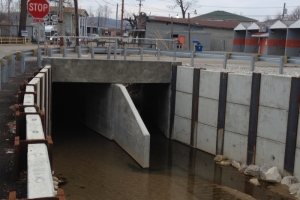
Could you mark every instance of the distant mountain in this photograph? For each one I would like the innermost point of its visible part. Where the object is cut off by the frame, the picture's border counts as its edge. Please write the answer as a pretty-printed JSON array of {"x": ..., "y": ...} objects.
[{"x": 105, "y": 23}]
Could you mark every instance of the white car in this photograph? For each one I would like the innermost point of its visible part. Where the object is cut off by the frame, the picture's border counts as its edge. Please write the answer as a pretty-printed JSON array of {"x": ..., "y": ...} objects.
[{"x": 93, "y": 37}]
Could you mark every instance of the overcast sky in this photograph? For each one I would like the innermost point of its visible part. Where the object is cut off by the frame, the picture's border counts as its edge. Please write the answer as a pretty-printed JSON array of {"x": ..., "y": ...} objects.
[{"x": 257, "y": 9}]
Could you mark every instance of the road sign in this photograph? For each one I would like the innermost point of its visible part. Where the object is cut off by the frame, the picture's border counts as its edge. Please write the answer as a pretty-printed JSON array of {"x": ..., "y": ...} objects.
[
  {"x": 24, "y": 33},
  {"x": 38, "y": 20},
  {"x": 38, "y": 8}
]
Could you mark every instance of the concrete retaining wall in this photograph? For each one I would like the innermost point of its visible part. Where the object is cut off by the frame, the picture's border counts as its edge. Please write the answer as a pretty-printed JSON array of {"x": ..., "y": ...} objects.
[
  {"x": 249, "y": 118},
  {"x": 111, "y": 112}
]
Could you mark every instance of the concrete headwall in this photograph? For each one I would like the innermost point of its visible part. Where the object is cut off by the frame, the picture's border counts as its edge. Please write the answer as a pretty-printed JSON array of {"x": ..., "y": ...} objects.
[
  {"x": 110, "y": 71},
  {"x": 249, "y": 118},
  {"x": 111, "y": 112}
]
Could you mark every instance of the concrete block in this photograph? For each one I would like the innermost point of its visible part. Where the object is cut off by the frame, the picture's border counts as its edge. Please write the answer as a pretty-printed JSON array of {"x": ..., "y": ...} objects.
[
  {"x": 39, "y": 180},
  {"x": 182, "y": 129},
  {"x": 270, "y": 152},
  {"x": 272, "y": 124},
  {"x": 184, "y": 81},
  {"x": 208, "y": 111},
  {"x": 235, "y": 146},
  {"x": 28, "y": 100},
  {"x": 239, "y": 88},
  {"x": 207, "y": 138},
  {"x": 297, "y": 164},
  {"x": 298, "y": 134},
  {"x": 29, "y": 110},
  {"x": 275, "y": 91},
  {"x": 36, "y": 81},
  {"x": 34, "y": 128},
  {"x": 237, "y": 118},
  {"x": 209, "y": 84},
  {"x": 29, "y": 88},
  {"x": 183, "y": 105}
]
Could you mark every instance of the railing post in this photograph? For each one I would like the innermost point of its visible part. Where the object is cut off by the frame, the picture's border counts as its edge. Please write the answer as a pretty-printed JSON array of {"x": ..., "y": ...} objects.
[
  {"x": 39, "y": 65},
  {"x": 79, "y": 52},
  {"x": 125, "y": 53},
  {"x": 64, "y": 52},
  {"x": 141, "y": 53},
  {"x": 281, "y": 64},
  {"x": 12, "y": 65},
  {"x": 50, "y": 52},
  {"x": 174, "y": 57},
  {"x": 4, "y": 71},
  {"x": 92, "y": 52},
  {"x": 108, "y": 53},
  {"x": 225, "y": 60},
  {"x": 115, "y": 53},
  {"x": 192, "y": 58},
  {"x": 252, "y": 63},
  {"x": 22, "y": 63},
  {"x": 158, "y": 54}
]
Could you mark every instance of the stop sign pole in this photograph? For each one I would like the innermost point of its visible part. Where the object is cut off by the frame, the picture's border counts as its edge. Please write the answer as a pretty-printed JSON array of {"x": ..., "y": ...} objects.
[{"x": 38, "y": 9}]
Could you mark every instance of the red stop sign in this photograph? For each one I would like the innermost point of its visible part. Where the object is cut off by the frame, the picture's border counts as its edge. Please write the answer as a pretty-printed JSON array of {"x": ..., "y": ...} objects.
[{"x": 38, "y": 8}]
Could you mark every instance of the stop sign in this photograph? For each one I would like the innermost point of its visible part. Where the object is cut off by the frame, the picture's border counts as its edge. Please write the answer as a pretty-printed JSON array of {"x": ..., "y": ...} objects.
[{"x": 38, "y": 8}]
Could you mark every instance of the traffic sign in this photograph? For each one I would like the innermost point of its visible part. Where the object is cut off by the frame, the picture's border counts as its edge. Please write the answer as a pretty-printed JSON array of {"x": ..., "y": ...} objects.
[{"x": 38, "y": 8}]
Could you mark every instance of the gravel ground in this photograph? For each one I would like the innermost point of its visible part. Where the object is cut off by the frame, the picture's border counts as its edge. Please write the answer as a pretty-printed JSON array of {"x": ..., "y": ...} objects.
[{"x": 8, "y": 97}]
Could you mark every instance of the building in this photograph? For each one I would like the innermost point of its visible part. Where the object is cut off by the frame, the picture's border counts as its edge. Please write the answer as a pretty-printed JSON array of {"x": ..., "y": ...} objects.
[
  {"x": 212, "y": 34},
  {"x": 223, "y": 15},
  {"x": 281, "y": 37}
]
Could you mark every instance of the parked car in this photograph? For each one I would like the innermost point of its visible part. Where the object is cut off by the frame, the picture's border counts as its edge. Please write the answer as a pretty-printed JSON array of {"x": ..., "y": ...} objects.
[{"x": 93, "y": 37}]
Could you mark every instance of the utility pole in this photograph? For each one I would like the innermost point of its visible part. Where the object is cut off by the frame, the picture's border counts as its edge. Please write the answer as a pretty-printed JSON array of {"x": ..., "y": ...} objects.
[
  {"x": 284, "y": 11},
  {"x": 122, "y": 12},
  {"x": 140, "y": 5},
  {"x": 60, "y": 22},
  {"x": 189, "y": 31},
  {"x": 117, "y": 19}
]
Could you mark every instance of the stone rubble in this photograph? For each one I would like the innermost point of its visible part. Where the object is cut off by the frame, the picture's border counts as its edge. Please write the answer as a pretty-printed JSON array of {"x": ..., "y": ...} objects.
[
  {"x": 220, "y": 158},
  {"x": 252, "y": 170},
  {"x": 254, "y": 181},
  {"x": 294, "y": 188},
  {"x": 225, "y": 162},
  {"x": 272, "y": 175},
  {"x": 289, "y": 180},
  {"x": 236, "y": 164}
]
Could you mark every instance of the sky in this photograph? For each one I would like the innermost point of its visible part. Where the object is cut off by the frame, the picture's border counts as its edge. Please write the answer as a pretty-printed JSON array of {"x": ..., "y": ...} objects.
[{"x": 257, "y": 9}]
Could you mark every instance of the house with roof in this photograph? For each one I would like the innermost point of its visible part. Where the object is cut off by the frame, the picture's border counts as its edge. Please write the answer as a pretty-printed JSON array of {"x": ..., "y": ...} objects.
[
  {"x": 220, "y": 15},
  {"x": 212, "y": 34},
  {"x": 281, "y": 37}
]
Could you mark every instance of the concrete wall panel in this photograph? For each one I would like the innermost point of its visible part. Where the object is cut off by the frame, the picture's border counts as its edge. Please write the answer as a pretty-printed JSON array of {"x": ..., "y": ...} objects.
[
  {"x": 239, "y": 88},
  {"x": 182, "y": 130},
  {"x": 184, "y": 81},
  {"x": 183, "y": 106},
  {"x": 235, "y": 146},
  {"x": 270, "y": 152},
  {"x": 298, "y": 134},
  {"x": 297, "y": 164},
  {"x": 275, "y": 91},
  {"x": 272, "y": 124},
  {"x": 207, "y": 138},
  {"x": 237, "y": 118},
  {"x": 208, "y": 111},
  {"x": 209, "y": 84}
]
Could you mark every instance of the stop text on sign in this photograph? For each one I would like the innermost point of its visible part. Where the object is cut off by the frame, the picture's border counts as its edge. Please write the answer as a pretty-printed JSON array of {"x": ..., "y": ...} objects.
[{"x": 37, "y": 7}]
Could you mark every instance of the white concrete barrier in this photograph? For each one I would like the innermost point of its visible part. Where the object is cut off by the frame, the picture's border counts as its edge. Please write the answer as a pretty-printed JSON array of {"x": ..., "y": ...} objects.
[
  {"x": 36, "y": 82},
  {"x": 28, "y": 100},
  {"x": 39, "y": 180},
  {"x": 30, "y": 110},
  {"x": 183, "y": 105},
  {"x": 208, "y": 111},
  {"x": 34, "y": 127}
]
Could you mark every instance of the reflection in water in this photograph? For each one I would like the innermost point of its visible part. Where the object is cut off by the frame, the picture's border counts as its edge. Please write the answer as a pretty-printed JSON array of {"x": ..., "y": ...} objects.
[{"x": 97, "y": 168}]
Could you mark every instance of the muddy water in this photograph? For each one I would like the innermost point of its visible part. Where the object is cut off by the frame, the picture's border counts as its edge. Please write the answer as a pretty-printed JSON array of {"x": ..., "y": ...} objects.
[{"x": 96, "y": 168}]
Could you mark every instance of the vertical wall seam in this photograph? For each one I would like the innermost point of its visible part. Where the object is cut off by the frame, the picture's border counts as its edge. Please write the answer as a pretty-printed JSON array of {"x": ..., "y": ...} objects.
[
  {"x": 253, "y": 118},
  {"x": 221, "y": 112},
  {"x": 173, "y": 99},
  {"x": 292, "y": 127},
  {"x": 195, "y": 103}
]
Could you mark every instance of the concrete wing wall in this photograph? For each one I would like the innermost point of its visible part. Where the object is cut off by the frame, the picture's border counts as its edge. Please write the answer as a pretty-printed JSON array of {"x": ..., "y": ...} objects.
[{"x": 111, "y": 112}]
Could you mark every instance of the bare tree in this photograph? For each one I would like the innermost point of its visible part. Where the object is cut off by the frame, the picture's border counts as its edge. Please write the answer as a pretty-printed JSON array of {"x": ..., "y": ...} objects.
[
  {"x": 295, "y": 15},
  {"x": 76, "y": 22},
  {"x": 184, "y": 5},
  {"x": 103, "y": 13}
]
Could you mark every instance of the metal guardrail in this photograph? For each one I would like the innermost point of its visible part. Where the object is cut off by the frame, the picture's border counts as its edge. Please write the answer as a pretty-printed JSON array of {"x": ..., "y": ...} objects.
[
  {"x": 7, "y": 63},
  {"x": 14, "y": 40}
]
